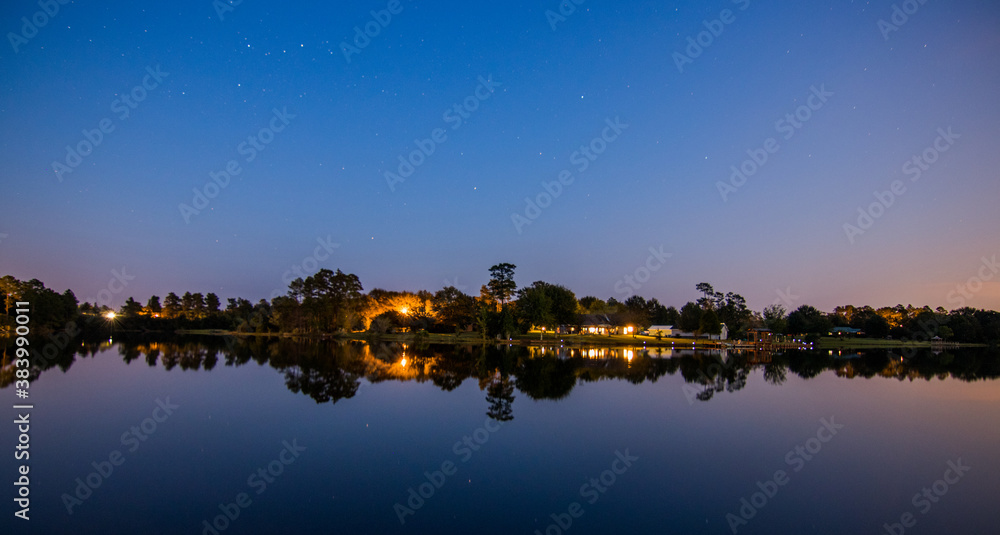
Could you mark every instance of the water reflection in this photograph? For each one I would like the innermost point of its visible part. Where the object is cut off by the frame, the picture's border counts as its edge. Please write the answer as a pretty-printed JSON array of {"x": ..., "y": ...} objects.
[{"x": 331, "y": 371}]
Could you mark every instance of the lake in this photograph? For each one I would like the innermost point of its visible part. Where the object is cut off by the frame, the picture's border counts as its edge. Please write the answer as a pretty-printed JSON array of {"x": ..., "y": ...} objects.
[{"x": 221, "y": 435}]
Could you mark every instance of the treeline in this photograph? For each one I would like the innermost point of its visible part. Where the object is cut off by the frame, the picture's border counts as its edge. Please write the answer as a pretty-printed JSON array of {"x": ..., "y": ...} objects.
[
  {"x": 966, "y": 324},
  {"x": 50, "y": 311},
  {"x": 334, "y": 301}
]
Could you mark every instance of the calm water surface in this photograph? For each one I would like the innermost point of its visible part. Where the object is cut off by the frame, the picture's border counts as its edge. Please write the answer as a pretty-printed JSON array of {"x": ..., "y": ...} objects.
[{"x": 309, "y": 437}]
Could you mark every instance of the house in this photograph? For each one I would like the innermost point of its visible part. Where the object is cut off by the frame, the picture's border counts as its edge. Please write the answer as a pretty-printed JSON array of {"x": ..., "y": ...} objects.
[
  {"x": 675, "y": 332},
  {"x": 668, "y": 330},
  {"x": 605, "y": 324},
  {"x": 759, "y": 337},
  {"x": 663, "y": 330},
  {"x": 723, "y": 333},
  {"x": 840, "y": 331}
]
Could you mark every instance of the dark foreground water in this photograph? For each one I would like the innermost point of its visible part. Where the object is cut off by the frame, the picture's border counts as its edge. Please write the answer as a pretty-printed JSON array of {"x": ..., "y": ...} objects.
[{"x": 223, "y": 436}]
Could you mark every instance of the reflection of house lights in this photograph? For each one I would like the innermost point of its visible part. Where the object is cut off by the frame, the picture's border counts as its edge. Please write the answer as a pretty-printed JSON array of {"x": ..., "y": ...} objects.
[{"x": 403, "y": 362}]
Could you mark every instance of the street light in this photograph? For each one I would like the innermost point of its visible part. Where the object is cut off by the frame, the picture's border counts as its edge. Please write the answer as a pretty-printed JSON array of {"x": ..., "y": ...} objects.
[{"x": 110, "y": 315}]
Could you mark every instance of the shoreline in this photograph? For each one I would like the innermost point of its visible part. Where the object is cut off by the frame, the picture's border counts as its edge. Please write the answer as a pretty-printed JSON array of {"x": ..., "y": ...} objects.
[{"x": 625, "y": 341}]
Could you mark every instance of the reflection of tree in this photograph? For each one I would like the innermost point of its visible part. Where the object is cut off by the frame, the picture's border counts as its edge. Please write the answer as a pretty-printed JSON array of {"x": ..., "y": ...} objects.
[
  {"x": 329, "y": 371},
  {"x": 737, "y": 381},
  {"x": 323, "y": 386},
  {"x": 644, "y": 368},
  {"x": 500, "y": 395},
  {"x": 546, "y": 377},
  {"x": 775, "y": 374},
  {"x": 447, "y": 380},
  {"x": 211, "y": 359},
  {"x": 715, "y": 374},
  {"x": 129, "y": 353},
  {"x": 326, "y": 372},
  {"x": 808, "y": 364}
]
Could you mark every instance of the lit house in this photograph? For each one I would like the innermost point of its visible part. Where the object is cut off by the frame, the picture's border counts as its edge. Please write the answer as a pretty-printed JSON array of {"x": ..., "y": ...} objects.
[
  {"x": 676, "y": 332},
  {"x": 840, "y": 331},
  {"x": 603, "y": 324},
  {"x": 666, "y": 330}
]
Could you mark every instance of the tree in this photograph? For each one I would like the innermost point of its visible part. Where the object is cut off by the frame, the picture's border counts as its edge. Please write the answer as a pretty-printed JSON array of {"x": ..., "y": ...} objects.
[
  {"x": 847, "y": 312},
  {"x": 172, "y": 305},
  {"x": 591, "y": 305},
  {"x": 534, "y": 306},
  {"x": 656, "y": 314},
  {"x": 546, "y": 305},
  {"x": 709, "y": 323},
  {"x": 563, "y": 303},
  {"x": 505, "y": 323},
  {"x": 502, "y": 283},
  {"x": 876, "y": 326},
  {"x": 945, "y": 332},
  {"x": 706, "y": 289},
  {"x": 238, "y": 306},
  {"x": 965, "y": 326},
  {"x": 212, "y": 303},
  {"x": 153, "y": 305},
  {"x": 49, "y": 310},
  {"x": 69, "y": 304},
  {"x": 11, "y": 289},
  {"x": 857, "y": 316},
  {"x": 260, "y": 319},
  {"x": 613, "y": 306},
  {"x": 286, "y": 313},
  {"x": 131, "y": 307},
  {"x": 775, "y": 318},
  {"x": 486, "y": 299},
  {"x": 187, "y": 304},
  {"x": 989, "y": 322},
  {"x": 483, "y": 315},
  {"x": 198, "y": 305},
  {"x": 330, "y": 300},
  {"x": 669, "y": 316},
  {"x": 454, "y": 308},
  {"x": 641, "y": 312},
  {"x": 710, "y": 298},
  {"x": 732, "y": 310},
  {"x": 808, "y": 320},
  {"x": 690, "y": 317}
]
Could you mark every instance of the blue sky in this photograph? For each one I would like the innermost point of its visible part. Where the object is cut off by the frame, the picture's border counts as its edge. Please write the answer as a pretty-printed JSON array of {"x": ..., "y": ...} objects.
[{"x": 779, "y": 236}]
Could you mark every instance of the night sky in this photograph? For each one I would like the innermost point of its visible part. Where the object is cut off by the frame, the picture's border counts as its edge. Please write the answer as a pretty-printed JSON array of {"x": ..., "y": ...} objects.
[{"x": 839, "y": 104}]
